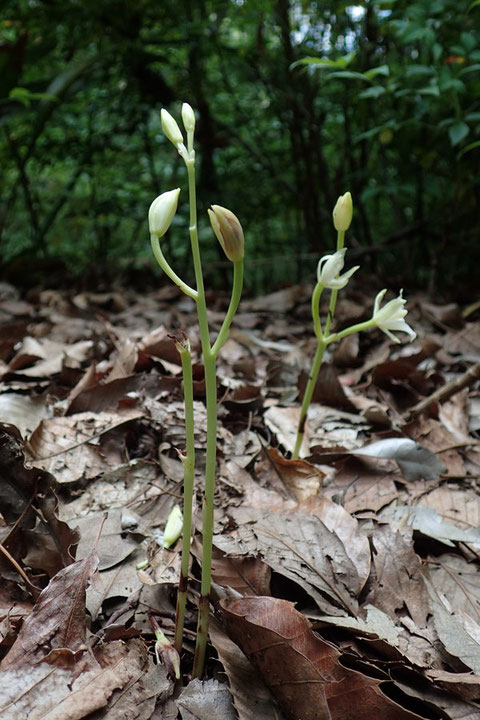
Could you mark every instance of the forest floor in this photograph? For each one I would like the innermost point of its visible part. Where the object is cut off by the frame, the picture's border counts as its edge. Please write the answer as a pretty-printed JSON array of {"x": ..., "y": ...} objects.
[{"x": 345, "y": 585}]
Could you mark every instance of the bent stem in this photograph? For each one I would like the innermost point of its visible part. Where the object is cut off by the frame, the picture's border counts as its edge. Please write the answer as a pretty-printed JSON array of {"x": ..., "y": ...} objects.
[{"x": 188, "y": 474}]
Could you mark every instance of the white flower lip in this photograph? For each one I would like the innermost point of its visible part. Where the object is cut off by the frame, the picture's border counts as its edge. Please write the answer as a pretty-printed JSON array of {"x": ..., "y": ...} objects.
[
  {"x": 391, "y": 316},
  {"x": 328, "y": 270},
  {"x": 161, "y": 212}
]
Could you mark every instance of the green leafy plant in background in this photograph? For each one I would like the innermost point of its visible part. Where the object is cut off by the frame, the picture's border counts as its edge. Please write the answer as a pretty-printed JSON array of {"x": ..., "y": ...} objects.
[
  {"x": 389, "y": 106},
  {"x": 388, "y": 318},
  {"x": 229, "y": 233}
]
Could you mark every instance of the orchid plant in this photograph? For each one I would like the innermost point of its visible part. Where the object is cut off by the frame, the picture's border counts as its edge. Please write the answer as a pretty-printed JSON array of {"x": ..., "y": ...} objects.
[
  {"x": 390, "y": 318},
  {"x": 229, "y": 233}
]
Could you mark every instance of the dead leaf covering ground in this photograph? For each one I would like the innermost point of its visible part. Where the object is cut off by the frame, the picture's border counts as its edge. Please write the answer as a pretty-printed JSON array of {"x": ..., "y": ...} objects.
[{"x": 345, "y": 585}]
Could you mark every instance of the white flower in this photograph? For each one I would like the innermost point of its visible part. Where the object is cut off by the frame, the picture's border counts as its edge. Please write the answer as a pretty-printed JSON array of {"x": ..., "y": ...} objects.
[
  {"x": 328, "y": 270},
  {"x": 390, "y": 316},
  {"x": 343, "y": 212},
  {"x": 161, "y": 212},
  {"x": 188, "y": 117},
  {"x": 171, "y": 129}
]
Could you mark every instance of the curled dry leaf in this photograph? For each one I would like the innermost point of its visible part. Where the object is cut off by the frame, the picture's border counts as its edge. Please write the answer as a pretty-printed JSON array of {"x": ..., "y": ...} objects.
[{"x": 304, "y": 672}]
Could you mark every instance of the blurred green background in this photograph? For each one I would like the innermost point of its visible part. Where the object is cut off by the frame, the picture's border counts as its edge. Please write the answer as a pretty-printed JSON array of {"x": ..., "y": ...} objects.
[{"x": 297, "y": 102}]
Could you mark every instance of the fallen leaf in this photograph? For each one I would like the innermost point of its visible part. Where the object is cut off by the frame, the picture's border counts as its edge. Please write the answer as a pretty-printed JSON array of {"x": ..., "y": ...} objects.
[
  {"x": 415, "y": 461},
  {"x": 251, "y": 697},
  {"x": 301, "y": 547},
  {"x": 303, "y": 671},
  {"x": 55, "y": 631},
  {"x": 206, "y": 700}
]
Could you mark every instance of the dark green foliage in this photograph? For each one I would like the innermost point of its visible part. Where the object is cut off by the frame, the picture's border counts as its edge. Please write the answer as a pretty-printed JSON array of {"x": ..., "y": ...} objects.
[{"x": 297, "y": 102}]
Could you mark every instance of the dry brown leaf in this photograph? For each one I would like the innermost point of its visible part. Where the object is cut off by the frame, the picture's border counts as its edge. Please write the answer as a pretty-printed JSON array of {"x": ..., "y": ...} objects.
[
  {"x": 399, "y": 576},
  {"x": 248, "y": 576},
  {"x": 44, "y": 692},
  {"x": 55, "y": 631},
  {"x": 28, "y": 502},
  {"x": 300, "y": 477},
  {"x": 302, "y": 548},
  {"x": 303, "y": 671},
  {"x": 206, "y": 700},
  {"x": 251, "y": 697},
  {"x": 65, "y": 446}
]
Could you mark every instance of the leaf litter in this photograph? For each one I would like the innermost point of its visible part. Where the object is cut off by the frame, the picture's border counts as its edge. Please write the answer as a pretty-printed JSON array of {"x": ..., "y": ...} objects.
[{"x": 346, "y": 584}]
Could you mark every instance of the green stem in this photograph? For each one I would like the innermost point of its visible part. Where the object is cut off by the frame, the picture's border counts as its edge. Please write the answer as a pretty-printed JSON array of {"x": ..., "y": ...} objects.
[
  {"x": 209, "y": 361},
  {"x": 333, "y": 296},
  {"x": 160, "y": 258},
  {"x": 307, "y": 398},
  {"x": 232, "y": 308},
  {"x": 323, "y": 341},
  {"x": 207, "y": 512},
  {"x": 359, "y": 327},
  {"x": 188, "y": 474}
]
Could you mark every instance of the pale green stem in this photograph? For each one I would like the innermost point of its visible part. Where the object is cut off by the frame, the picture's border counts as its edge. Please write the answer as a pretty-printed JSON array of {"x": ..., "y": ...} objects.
[
  {"x": 232, "y": 308},
  {"x": 307, "y": 398},
  {"x": 359, "y": 327},
  {"x": 209, "y": 362},
  {"x": 321, "y": 345},
  {"x": 188, "y": 474},
  {"x": 162, "y": 261},
  {"x": 333, "y": 296}
]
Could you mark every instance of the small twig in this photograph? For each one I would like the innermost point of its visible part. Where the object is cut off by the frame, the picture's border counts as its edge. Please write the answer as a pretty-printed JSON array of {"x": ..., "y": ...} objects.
[{"x": 445, "y": 392}]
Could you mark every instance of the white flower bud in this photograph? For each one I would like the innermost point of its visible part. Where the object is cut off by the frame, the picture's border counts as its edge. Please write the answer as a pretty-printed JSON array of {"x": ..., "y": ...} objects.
[
  {"x": 228, "y": 231},
  {"x": 171, "y": 129},
  {"x": 343, "y": 212},
  {"x": 161, "y": 212},
  {"x": 173, "y": 528},
  {"x": 390, "y": 317},
  {"x": 188, "y": 117},
  {"x": 328, "y": 270}
]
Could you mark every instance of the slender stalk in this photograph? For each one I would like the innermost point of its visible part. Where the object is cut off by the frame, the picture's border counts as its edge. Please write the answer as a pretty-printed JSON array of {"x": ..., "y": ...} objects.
[
  {"x": 207, "y": 513},
  {"x": 333, "y": 296},
  {"x": 188, "y": 474},
  {"x": 162, "y": 261},
  {"x": 307, "y": 398},
  {"x": 209, "y": 361},
  {"x": 322, "y": 341},
  {"x": 232, "y": 308}
]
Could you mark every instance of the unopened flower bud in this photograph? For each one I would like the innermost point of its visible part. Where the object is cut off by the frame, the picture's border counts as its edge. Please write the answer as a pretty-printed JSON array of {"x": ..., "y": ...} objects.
[
  {"x": 173, "y": 528},
  {"x": 228, "y": 230},
  {"x": 161, "y": 212},
  {"x": 188, "y": 117},
  {"x": 171, "y": 129},
  {"x": 343, "y": 212}
]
